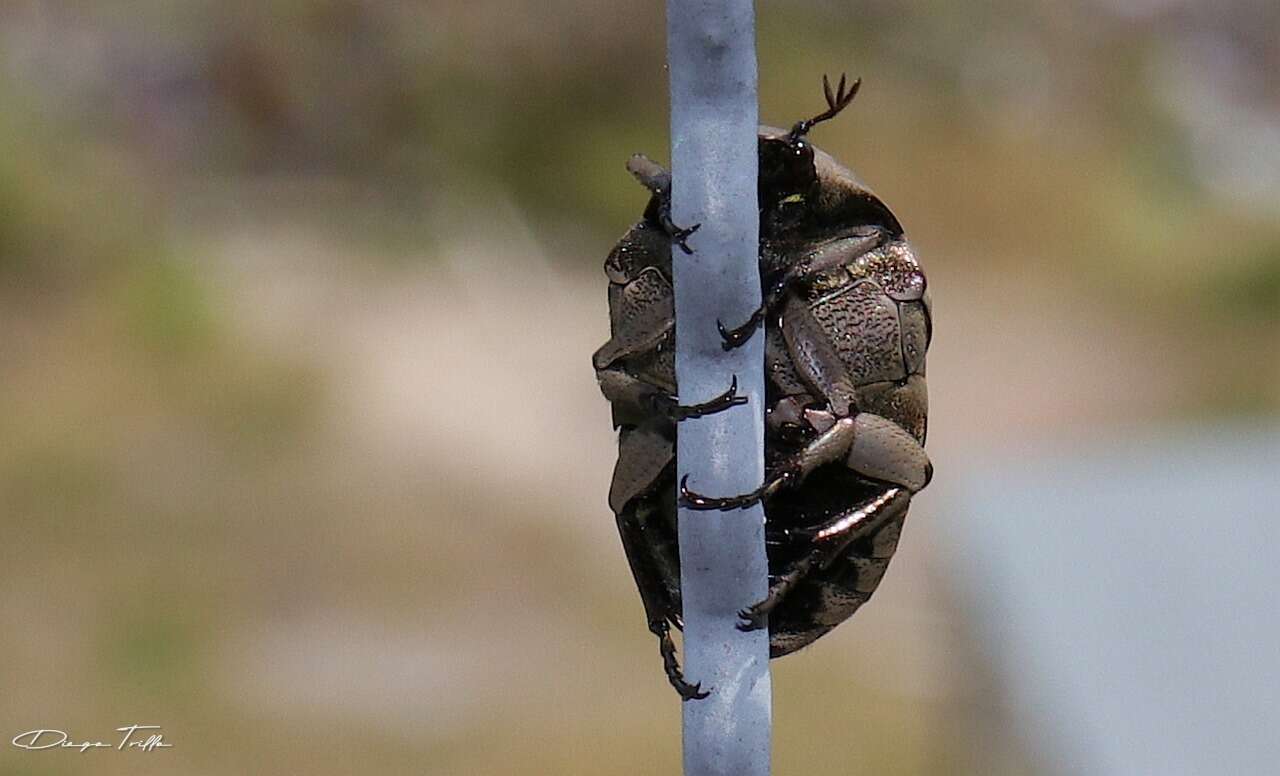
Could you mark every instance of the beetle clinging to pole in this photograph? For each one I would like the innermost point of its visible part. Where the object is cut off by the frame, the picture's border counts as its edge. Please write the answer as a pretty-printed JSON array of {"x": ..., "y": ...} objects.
[{"x": 847, "y": 322}]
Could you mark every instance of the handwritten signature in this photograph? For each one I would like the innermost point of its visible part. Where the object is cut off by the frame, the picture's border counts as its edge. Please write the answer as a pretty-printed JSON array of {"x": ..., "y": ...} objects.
[{"x": 132, "y": 737}]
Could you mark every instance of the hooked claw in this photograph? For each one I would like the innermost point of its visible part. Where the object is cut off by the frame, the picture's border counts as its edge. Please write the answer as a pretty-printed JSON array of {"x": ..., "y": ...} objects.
[
  {"x": 688, "y": 692},
  {"x": 679, "y": 236},
  {"x": 697, "y": 501},
  {"x": 738, "y": 336},
  {"x": 753, "y": 618},
  {"x": 724, "y": 401},
  {"x": 786, "y": 475}
]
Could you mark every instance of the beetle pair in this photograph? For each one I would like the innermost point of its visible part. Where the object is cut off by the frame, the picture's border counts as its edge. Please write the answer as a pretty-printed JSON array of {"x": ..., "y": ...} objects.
[{"x": 847, "y": 322}]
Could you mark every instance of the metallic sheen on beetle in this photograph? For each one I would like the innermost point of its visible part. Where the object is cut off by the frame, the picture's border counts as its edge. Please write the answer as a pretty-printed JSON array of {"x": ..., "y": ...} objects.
[{"x": 847, "y": 322}]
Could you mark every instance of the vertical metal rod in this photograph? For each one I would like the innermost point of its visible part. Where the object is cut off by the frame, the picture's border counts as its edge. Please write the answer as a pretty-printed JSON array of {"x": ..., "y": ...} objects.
[{"x": 714, "y": 118}]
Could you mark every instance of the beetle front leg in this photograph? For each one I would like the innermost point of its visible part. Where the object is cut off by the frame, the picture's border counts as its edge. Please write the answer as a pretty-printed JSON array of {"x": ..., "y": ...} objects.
[
  {"x": 824, "y": 258},
  {"x": 634, "y": 399},
  {"x": 656, "y": 179},
  {"x": 678, "y": 235}
]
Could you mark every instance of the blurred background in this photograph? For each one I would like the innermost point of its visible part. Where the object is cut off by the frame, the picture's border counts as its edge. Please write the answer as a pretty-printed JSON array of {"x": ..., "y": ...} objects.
[{"x": 301, "y": 451}]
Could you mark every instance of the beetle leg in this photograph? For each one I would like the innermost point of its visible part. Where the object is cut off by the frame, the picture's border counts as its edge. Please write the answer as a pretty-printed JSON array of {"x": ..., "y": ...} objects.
[
  {"x": 651, "y": 554},
  {"x": 643, "y": 315},
  {"x": 644, "y": 453},
  {"x": 856, "y": 522},
  {"x": 883, "y": 450},
  {"x": 692, "y": 500},
  {"x": 829, "y": 540},
  {"x": 738, "y": 336},
  {"x": 678, "y": 235},
  {"x": 668, "y": 405},
  {"x": 756, "y": 616},
  {"x": 816, "y": 359},
  {"x": 828, "y": 447},
  {"x": 871, "y": 445},
  {"x": 651, "y": 175},
  {"x": 657, "y": 180},
  {"x": 634, "y": 399},
  {"x": 671, "y": 664},
  {"x": 823, "y": 258}
]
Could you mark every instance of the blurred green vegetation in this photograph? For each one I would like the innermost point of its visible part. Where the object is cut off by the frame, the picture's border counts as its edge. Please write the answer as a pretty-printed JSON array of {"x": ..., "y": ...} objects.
[{"x": 197, "y": 199}]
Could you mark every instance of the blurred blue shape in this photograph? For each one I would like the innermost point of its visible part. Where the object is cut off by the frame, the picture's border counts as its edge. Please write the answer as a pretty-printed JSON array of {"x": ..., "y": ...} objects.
[{"x": 1127, "y": 597}]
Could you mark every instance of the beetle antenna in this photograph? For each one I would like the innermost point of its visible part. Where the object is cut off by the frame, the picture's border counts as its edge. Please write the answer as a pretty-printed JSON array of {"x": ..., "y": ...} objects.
[{"x": 835, "y": 103}]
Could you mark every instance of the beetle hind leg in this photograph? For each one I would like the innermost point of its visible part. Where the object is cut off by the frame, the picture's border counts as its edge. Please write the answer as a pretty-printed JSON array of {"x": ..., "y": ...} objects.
[
  {"x": 671, "y": 664},
  {"x": 756, "y": 616},
  {"x": 829, "y": 539},
  {"x": 652, "y": 552}
]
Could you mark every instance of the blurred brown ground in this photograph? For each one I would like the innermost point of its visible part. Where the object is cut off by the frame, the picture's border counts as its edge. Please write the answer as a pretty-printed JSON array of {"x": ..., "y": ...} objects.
[{"x": 301, "y": 454}]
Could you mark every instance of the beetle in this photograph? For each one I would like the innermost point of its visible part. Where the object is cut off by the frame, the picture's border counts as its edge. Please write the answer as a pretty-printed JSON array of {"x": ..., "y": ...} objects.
[{"x": 847, "y": 322}]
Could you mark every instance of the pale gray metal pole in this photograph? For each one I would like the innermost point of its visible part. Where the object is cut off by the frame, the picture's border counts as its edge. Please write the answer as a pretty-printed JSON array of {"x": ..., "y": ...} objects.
[{"x": 714, "y": 116}]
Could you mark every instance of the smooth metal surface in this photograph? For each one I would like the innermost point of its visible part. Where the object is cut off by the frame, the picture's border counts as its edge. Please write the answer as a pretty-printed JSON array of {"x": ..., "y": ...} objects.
[{"x": 712, "y": 59}]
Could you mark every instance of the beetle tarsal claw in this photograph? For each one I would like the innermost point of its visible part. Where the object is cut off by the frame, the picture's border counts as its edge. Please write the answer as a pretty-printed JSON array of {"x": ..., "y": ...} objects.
[
  {"x": 657, "y": 180},
  {"x": 698, "y": 501},
  {"x": 740, "y": 335},
  {"x": 679, "y": 236},
  {"x": 787, "y": 475},
  {"x": 753, "y": 618},
  {"x": 724, "y": 401},
  {"x": 688, "y": 692}
]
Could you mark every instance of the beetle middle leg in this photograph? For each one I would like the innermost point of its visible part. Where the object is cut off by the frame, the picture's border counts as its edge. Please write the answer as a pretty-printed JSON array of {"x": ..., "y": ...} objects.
[
  {"x": 871, "y": 445},
  {"x": 657, "y": 179},
  {"x": 730, "y": 398},
  {"x": 828, "y": 447}
]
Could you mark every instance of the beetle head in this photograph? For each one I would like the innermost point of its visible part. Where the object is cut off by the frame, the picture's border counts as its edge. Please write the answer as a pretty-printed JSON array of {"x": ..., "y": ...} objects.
[
  {"x": 801, "y": 187},
  {"x": 786, "y": 169},
  {"x": 786, "y": 158}
]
